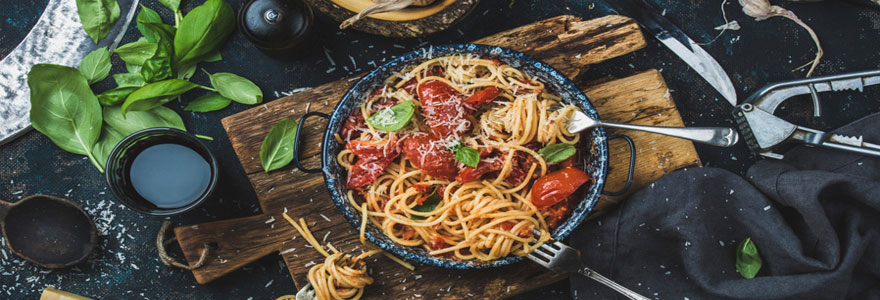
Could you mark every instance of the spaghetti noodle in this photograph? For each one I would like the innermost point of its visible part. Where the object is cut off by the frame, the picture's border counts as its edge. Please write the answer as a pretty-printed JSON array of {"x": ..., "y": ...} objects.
[
  {"x": 413, "y": 183},
  {"x": 341, "y": 276}
]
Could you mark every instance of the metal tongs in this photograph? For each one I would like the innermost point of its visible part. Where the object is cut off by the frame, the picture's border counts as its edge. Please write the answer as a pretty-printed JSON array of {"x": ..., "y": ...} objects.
[{"x": 764, "y": 131}]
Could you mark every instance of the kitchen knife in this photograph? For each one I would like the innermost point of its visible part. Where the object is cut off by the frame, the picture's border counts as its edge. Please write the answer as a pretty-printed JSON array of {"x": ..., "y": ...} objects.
[
  {"x": 57, "y": 38},
  {"x": 650, "y": 17}
]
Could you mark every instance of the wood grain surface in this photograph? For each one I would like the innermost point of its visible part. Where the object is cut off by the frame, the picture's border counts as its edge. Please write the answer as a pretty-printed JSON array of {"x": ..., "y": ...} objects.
[
  {"x": 566, "y": 42},
  {"x": 430, "y": 19}
]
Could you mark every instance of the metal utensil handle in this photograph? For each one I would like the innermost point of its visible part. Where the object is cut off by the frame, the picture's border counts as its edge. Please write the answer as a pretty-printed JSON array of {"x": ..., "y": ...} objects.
[
  {"x": 611, "y": 284},
  {"x": 716, "y": 136},
  {"x": 854, "y": 149}
]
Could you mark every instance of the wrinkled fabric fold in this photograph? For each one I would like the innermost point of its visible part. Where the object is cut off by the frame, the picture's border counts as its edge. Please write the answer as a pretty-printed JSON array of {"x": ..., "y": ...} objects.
[{"x": 814, "y": 216}]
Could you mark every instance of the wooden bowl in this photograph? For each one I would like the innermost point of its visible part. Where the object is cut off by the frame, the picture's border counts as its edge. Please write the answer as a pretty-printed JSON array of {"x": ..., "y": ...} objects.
[{"x": 409, "y": 22}]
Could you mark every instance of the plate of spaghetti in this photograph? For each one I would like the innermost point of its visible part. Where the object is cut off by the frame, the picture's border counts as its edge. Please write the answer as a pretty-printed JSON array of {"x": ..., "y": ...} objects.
[{"x": 457, "y": 156}]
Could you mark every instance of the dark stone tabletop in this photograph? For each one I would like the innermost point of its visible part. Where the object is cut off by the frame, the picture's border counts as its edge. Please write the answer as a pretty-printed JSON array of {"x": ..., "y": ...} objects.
[{"x": 126, "y": 265}]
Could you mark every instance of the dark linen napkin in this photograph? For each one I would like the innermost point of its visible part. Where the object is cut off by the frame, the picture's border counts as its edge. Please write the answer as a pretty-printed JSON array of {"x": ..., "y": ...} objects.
[{"x": 814, "y": 217}]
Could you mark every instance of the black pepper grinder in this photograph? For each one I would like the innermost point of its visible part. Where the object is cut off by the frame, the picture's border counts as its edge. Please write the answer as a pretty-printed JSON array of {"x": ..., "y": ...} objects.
[{"x": 276, "y": 26}]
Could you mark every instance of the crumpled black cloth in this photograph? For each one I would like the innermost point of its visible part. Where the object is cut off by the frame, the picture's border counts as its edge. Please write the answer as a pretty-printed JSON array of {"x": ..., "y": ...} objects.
[{"x": 814, "y": 217}]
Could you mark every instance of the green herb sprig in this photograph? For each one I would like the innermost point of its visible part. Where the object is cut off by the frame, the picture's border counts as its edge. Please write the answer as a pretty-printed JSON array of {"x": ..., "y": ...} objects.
[
  {"x": 429, "y": 205},
  {"x": 159, "y": 64},
  {"x": 466, "y": 155},
  {"x": 97, "y": 17},
  {"x": 557, "y": 152},
  {"x": 276, "y": 151},
  {"x": 393, "y": 118},
  {"x": 748, "y": 261}
]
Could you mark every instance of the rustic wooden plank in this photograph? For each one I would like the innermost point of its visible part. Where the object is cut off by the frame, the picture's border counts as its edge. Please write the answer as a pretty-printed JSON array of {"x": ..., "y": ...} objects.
[
  {"x": 641, "y": 99},
  {"x": 566, "y": 42}
]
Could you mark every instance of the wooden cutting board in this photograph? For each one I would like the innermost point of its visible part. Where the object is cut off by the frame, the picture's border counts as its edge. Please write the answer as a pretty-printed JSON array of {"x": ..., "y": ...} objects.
[{"x": 565, "y": 42}]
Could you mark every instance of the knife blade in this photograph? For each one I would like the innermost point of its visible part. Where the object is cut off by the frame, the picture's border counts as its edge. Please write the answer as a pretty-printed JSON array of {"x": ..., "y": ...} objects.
[
  {"x": 649, "y": 16},
  {"x": 57, "y": 38}
]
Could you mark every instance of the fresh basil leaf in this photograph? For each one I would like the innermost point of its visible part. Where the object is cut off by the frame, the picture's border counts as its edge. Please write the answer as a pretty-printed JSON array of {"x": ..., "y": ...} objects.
[
  {"x": 115, "y": 96},
  {"x": 147, "y": 15},
  {"x": 201, "y": 32},
  {"x": 173, "y": 5},
  {"x": 393, "y": 118},
  {"x": 467, "y": 155},
  {"x": 208, "y": 102},
  {"x": 156, "y": 69},
  {"x": 96, "y": 65},
  {"x": 214, "y": 57},
  {"x": 276, "y": 151},
  {"x": 129, "y": 79},
  {"x": 64, "y": 108},
  {"x": 108, "y": 140},
  {"x": 187, "y": 72},
  {"x": 557, "y": 152},
  {"x": 164, "y": 38},
  {"x": 132, "y": 68},
  {"x": 135, "y": 121},
  {"x": 137, "y": 52},
  {"x": 235, "y": 87},
  {"x": 429, "y": 205},
  {"x": 97, "y": 17},
  {"x": 155, "y": 94},
  {"x": 748, "y": 261}
]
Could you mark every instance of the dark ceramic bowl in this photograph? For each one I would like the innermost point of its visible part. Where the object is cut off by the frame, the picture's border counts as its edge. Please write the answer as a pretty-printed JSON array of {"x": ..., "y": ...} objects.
[
  {"x": 120, "y": 160},
  {"x": 335, "y": 175}
]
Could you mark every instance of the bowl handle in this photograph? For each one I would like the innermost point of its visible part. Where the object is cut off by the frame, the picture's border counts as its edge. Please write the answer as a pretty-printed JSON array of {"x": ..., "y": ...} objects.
[
  {"x": 296, "y": 143},
  {"x": 632, "y": 164}
]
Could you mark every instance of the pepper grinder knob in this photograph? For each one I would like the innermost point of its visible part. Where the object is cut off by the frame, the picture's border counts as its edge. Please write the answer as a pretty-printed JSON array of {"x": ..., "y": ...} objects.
[{"x": 276, "y": 26}]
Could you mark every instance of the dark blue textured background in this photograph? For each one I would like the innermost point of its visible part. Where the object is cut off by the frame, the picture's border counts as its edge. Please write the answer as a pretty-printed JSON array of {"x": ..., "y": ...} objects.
[{"x": 126, "y": 266}]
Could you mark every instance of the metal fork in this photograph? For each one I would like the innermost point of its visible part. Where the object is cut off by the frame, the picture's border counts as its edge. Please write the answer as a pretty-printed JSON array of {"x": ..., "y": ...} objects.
[
  {"x": 716, "y": 136},
  {"x": 561, "y": 258},
  {"x": 306, "y": 293}
]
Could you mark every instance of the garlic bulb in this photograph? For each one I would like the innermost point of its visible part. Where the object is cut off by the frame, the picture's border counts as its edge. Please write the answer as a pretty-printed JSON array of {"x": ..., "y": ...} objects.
[{"x": 762, "y": 10}]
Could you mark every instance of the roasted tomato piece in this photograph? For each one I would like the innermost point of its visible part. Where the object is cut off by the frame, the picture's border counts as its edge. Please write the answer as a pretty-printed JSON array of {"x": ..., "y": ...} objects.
[
  {"x": 354, "y": 125},
  {"x": 372, "y": 159},
  {"x": 444, "y": 110},
  {"x": 483, "y": 96},
  {"x": 365, "y": 171},
  {"x": 557, "y": 186},
  {"x": 423, "y": 188},
  {"x": 431, "y": 156},
  {"x": 437, "y": 243},
  {"x": 506, "y": 226},
  {"x": 409, "y": 233},
  {"x": 567, "y": 163},
  {"x": 374, "y": 149},
  {"x": 410, "y": 86},
  {"x": 522, "y": 162},
  {"x": 554, "y": 215},
  {"x": 469, "y": 174},
  {"x": 383, "y": 104}
]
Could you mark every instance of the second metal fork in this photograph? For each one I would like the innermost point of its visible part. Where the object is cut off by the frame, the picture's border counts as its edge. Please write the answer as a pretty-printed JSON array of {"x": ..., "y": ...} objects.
[{"x": 561, "y": 258}]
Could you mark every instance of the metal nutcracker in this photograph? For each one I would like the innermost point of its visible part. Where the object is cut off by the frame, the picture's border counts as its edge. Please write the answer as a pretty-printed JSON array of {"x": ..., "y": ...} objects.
[{"x": 764, "y": 131}]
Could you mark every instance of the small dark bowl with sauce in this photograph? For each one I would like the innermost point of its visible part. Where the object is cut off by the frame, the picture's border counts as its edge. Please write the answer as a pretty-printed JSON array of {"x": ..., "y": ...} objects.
[{"x": 161, "y": 171}]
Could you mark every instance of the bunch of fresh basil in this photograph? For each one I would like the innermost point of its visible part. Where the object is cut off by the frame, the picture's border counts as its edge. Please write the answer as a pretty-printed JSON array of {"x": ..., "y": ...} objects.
[{"x": 66, "y": 109}]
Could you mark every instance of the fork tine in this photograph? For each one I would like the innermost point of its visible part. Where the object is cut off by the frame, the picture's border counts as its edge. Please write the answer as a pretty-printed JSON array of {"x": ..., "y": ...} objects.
[
  {"x": 547, "y": 252},
  {"x": 538, "y": 258}
]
